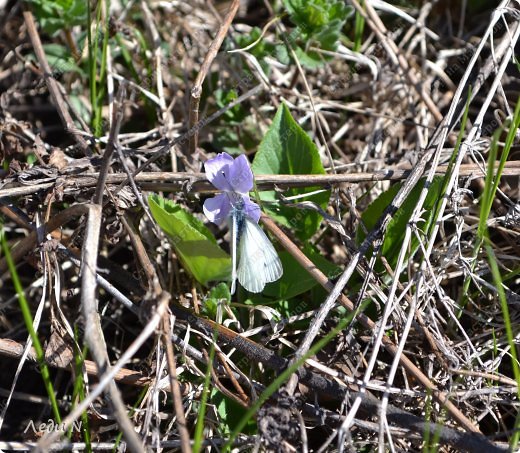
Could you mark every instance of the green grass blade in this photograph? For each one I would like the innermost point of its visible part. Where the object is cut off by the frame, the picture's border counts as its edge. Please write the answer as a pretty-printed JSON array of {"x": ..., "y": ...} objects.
[
  {"x": 490, "y": 187},
  {"x": 495, "y": 271},
  {"x": 27, "y": 317},
  {"x": 199, "y": 427},
  {"x": 359, "y": 28}
]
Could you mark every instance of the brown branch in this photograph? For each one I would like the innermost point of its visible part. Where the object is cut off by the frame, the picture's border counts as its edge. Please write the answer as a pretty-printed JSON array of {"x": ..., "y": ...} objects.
[{"x": 196, "y": 91}]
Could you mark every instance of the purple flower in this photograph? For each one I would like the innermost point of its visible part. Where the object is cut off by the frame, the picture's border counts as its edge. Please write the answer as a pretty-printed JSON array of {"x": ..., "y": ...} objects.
[{"x": 235, "y": 178}]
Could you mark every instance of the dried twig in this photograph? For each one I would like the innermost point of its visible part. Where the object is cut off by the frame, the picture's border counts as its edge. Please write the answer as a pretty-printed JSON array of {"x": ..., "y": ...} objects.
[
  {"x": 13, "y": 349},
  {"x": 197, "y": 182},
  {"x": 175, "y": 386},
  {"x": 196, "y": 90}
]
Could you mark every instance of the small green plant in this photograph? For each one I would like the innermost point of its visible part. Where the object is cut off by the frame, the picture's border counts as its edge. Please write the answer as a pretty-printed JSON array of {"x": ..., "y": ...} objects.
[
  {"x": 56, "y": 15},
  {"x": 318, "y": 24},
  {"x": 218, "y": 294},
  {"x": 236, "y": 131}
]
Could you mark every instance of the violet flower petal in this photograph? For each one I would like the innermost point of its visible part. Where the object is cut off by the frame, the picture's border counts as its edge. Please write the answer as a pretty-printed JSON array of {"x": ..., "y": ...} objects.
[
  {"x": 217, "y": 209},
  {"x": 240, "y": 176},
  {"x": 251, "y": 209},
  {"x": 217, "y": 170}
]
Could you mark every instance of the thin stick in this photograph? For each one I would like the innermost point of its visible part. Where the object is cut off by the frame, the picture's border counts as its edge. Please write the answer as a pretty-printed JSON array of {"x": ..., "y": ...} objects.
[
  {"x": 109, "y": 150},
  {"x": 196, "y": 91},
  {"x": 13, "y": 349},
  {"x": 197, "y": 182}
]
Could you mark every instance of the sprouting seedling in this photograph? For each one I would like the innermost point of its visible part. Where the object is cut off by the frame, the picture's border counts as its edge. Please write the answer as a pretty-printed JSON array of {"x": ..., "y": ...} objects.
[{"x": 258, "y": 262}]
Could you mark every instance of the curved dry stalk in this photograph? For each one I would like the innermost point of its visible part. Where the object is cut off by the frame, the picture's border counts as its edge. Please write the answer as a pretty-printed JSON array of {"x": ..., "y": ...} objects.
[{"x": 93, "y": 332}]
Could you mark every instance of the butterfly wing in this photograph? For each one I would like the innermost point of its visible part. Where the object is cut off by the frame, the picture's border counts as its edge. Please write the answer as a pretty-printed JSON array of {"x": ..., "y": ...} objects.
[{"x": 259, "y": 263}]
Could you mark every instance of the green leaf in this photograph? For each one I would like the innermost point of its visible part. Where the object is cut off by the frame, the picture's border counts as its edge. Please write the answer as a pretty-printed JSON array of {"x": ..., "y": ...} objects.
[
  {"x": 296, "y": 280},
  {"x": 397, "y": 227},
  {"x": 60, "y": 59},
  {"x": 194, "y": 244},
  {"x": 234, "y": 116},
  {"x": 287, "y": 149}
]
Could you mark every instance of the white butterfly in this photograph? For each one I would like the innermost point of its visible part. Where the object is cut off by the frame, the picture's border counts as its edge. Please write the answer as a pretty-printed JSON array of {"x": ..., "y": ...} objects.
[{"x": 258, "y": 261}]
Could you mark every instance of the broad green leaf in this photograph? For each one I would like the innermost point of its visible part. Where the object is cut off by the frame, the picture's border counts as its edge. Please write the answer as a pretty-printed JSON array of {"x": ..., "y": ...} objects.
[
  {"x": 287, "y": 149},
  {"x": 295, "y": 279},
  {"x": 397, "y": 227},
  {"x": 194, "y": 244}
]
